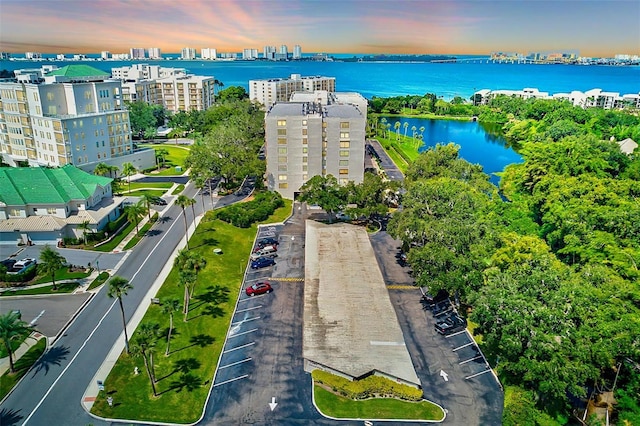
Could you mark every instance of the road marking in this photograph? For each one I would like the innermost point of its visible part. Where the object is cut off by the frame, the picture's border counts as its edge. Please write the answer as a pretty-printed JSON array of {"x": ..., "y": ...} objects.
[
  {"x": 239, "y": 347},
  {"x": 245, "y": 320},
  {"x": 464, "y": 346},
  {"x": 401, "y": 287},
  {"x": 380, "y": 343},
  {"x": 273, "y": 403},
  {"x": 250, "y": 309},
  {"x": 477, "y": 374},
  {"x": 231, "y": 380},
  {"x": 444, "y": 375},
  {"x": 469, "y": 360},
  {"x": 244, "y": 332},
  {"x": 234, "y": 363},
  {"x": 455, "y": 334},
  {"x": 286, "y": 279}
]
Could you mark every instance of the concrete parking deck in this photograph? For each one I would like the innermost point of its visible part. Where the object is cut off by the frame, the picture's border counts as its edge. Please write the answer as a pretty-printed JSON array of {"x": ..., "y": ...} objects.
[{"x": 350, "y": 325}]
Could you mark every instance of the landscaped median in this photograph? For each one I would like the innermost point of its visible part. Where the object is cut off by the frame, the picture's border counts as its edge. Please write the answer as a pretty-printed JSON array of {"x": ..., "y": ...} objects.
[
  {"x": 184, "y": 377},
  {"x": 374, "y": 398}
]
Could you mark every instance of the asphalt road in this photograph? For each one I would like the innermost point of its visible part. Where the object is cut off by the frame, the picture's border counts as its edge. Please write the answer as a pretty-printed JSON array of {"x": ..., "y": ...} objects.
[
  {"x": 60, "y": 378},
  {"x": 386, "y": 163}
]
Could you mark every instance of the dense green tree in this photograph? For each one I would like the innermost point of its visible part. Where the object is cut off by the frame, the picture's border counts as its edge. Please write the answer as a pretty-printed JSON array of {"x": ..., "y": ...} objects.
[
  {"x": 324, "y": 191},
  {"x": 143, "y": 116},
  {"x": 135, "y": 212},
  {"x": 232, "y": 93}
]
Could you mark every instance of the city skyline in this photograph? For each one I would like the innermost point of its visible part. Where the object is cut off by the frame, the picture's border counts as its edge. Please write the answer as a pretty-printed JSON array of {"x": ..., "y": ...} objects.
[{"x": 349, "y": 26}]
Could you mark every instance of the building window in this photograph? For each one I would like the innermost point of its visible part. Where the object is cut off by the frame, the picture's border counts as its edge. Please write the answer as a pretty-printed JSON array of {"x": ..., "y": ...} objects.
[
  {"x": 344, "y": 144},
  {"x": 344, "y": 153},
  {"x": 344, "y": 163},
  {"x": 305, "y": 141},
  {"x": 282, "y": 132},
  {"x": 304, "y": 122},
  {"x": 51, "y": 210},
  {"x": 282, "y": 177},
  {"x": 344, "y": 171},
  {"x": 344, "y": 124},
  {"x": 282, "y": 123},
  {"x": 283, "y": 185},
  {"x": 343, "y": 181},
  {"x": 305, "y": 167},
  {"x": 282, "y": 159},
  {"x": 305, "y": 176},
  {"x": 282, "y": 141},
  {"x": 304, "y": 132},
  {"x": 14, "y": 212},
  {"x": 50, "y": 96},
  {"x": 304, "y": 150},
  {"x": 282, "y": 167},
  {"x": 305, "y": 159},
  {"x": 344, "y": 135},
  {"x": 282, "y": 150}
]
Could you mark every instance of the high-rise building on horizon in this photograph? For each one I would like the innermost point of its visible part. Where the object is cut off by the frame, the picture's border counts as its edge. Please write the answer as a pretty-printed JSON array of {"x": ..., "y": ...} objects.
[
  {"x": 155, "y": 53},
  {"x": 269, "y": 53},
  {"x": 208, "y": 53},
  {"x": 297, "y": 52},
  {"x": 33, "y": 55},
  {"x": 105, "y": 54},
  {"x": 188, "y": 53},
  {"x": 137, "y": 53},
  {"x": 249, "y": 54}
]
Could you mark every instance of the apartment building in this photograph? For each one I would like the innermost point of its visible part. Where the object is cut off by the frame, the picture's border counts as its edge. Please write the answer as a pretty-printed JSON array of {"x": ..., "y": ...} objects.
[
  {"x": 594, "y": 98},
  {"x": 137, "y": 53},
  {"x": 249, "y": 54},
  {"x": 269, "y": 53},
  {"x": 268, "y": 92},
  {"x": 70, "y": 115},
  {"x": 318, "y": 134},
  {"x": 208, "y": 53},
  {"x": 188, "y": 53},
  {"x": 187, "y": 92},
  {"x": 297, "y": 52},
  {"x": 155, "y": 53},
  {"x": 145, "y": 72}
]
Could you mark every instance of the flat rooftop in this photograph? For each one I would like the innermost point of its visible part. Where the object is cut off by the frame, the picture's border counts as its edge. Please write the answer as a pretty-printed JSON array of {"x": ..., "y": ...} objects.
[{"x": 349, "y": 322}]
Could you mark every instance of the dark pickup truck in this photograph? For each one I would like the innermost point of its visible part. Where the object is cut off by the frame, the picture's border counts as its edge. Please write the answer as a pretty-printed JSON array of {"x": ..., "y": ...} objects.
[{"x": 451, "y": 324}]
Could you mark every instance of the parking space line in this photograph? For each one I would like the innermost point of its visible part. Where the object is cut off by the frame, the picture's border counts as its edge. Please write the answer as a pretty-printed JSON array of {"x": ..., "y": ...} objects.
[
  {"x": 249, "y": 309},
  {"x": 234, "y": 363},
  {"x": 477, "y": 374},
  {"x": 243, "y": 333},
  {"x": 231, "y": 380},
  {"x": 455, "y": 334},
  {"x": 469, "y": 360},
  {"x": 239, "y": 347},
  {"x": 245, "y": 320},
  {"x": 464, "y": 346}
]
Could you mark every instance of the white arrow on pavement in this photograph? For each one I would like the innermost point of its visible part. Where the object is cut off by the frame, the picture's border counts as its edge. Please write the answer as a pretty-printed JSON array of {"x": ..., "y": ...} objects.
[
  {"x": 33, "y": 321},
  {"x": 273, "y": 403},
  {"x": 444, "y": 375}
]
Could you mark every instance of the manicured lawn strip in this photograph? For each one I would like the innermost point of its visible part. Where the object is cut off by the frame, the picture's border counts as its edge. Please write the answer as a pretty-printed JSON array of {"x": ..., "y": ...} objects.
[
  {"x": 409, "y": 113},
  {"x": 177, "y": 156},
  {"x": 178, "y": 189},
  {"x": 376, "y": 408},
  {"x": 15, "y": 344},
  {"x": 139, "y": 185},
  {"x": 184, "y": 378},
  {"x": 114, "y": 243},
  {"x": 62, "y": 274},
  {"x": 8, "y": 381},
  {"x": 100, "y": 279},
  {"x": 61, "y": 288},
  {"x": 141, "y": 192},
  {"x": 138, "y": 236}
]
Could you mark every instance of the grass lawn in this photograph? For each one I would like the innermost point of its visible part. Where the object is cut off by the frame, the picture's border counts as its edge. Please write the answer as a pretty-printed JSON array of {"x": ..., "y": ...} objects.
[
  {"x": 178, "y": 189},
  {"x": 141, "y": 192},
  {"x": 141, "y": 185},
  {"x": 139, "y": 235},
  {"x": 100, "y": 279},
  {"x": 61, "y": 288},
  {"x": 184, "y": 377},
  {"x": 376, "y": 408},
  {"x": 107, "y": 247},
  {"x": 176, "y": 157},
  {"x": 61, "y": 274},
  {"x": 8, "y": 381}
]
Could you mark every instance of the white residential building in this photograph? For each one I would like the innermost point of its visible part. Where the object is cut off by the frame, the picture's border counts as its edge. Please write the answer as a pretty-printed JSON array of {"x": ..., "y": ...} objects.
[
  {"x": 270, "y": 53},
  {"x": 145, "y": 71},
  {"x": 73, "y": 117},
  {"x": 155, "y": 53},
  {"x": 250, "y": 54},
  {"x": 33, "y": 55},
  {"x": 105, "y": 54},
  {"x": 188, "y": 53},
  {"x": 120, "y": 56},
  {"x": 208, "y": 53},
  {"x": 269, "y": 91},
  {"x": 310, "y": 138},
  {"x": 187, "y": 92},
  {"x": 137, "y": 53},
  {"x": 297, "y": 52}
]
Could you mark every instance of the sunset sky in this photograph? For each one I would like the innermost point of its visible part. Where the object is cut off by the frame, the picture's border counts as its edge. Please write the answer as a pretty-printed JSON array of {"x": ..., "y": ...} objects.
[{"x": 594, "y": 28}]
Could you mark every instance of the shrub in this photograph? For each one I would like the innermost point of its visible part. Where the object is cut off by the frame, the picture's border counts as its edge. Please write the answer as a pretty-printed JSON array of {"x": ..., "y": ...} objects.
[
  {"x": 25, "y": 276},
  {"x": 369, "y": 387},
  {"x": 243, "y": 215}
]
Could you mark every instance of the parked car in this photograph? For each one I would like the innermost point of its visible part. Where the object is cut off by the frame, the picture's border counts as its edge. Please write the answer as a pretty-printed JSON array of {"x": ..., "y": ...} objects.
[
  {"x": 8, "y": 263},
  {"x": 159, "y": 201},
  {"x": 259, "y": 288},
  {"x": 268, "y": 247},
  {"x": 22, "y": 265},
  {"x": 451, "y": 324},
  {"x": 267, "y": 242},
  {"x": 266, "y": 251},
  {"x": 262, "y": 262}
]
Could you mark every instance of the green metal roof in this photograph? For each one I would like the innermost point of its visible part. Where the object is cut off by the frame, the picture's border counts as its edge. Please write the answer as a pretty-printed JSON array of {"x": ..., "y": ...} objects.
[
  {"x": 41, "y": 185},
  {"x": 78, "y": 71}
]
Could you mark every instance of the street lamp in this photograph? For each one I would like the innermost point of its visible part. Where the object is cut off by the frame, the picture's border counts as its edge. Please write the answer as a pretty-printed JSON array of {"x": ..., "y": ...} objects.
[{"x": 98, "y": 266}]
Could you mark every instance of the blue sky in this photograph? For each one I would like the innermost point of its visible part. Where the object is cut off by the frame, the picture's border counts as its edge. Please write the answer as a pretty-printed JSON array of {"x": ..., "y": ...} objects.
[{"x": 594, "y": 28}]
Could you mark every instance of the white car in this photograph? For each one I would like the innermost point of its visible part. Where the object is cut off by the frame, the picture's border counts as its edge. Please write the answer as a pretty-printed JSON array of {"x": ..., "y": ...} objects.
[{"x": 22, "y": 265}]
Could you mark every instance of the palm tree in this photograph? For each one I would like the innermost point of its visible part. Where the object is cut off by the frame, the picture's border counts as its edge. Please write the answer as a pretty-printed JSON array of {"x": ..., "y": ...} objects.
[
  {"x": 397, "y": 129},
  {"x": 186, "y": 278},
  {"x": 190, "y": 261},
  {"x": 128, "y": 170},
  {"x": 102, "y": 169},
  {"x": 147, "y": 200},
  {"x": 161, "y": 154},
  {"x": 170, "y": 306},
  {"x": 388, "y": 127},
  {"x": 114, "y": 170},
  {"x": 144, "y": 343},
  {"x": 421, "y": 132},
  {"x": 134, "y": 212},
  {"x": 200, "y": 182},
  {"x": 176, "y": 132},
  {"x": 405, "y": 126},
  {"x": 383, "y": 123},
  {"x": 51, "y": 262},
  {"x": 119, "y": 287},
  {"x": 413, "y": 131},
  {"x": 184, "y": 201},
  {"x": 12, "y": 328},
  {"x": 85, "y": 225}
]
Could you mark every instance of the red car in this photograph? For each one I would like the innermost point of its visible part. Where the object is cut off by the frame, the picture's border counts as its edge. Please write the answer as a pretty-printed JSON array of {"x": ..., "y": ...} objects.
[{"x": 259, "y": 288}]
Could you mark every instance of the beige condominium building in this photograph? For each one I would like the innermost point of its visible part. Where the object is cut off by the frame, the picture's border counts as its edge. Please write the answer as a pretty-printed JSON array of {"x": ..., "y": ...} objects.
[
  {"x": 72, "y": 115},
  {"x": 320, "y": 133},
  {"x": 268, "y": 92}
]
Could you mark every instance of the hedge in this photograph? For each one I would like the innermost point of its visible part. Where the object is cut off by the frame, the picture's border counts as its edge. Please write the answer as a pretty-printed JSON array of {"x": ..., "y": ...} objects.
[
  {"x": 369, "y": 387},
  {"x": 25, "y": 276},
  {"x": 243, "y": 215}
]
